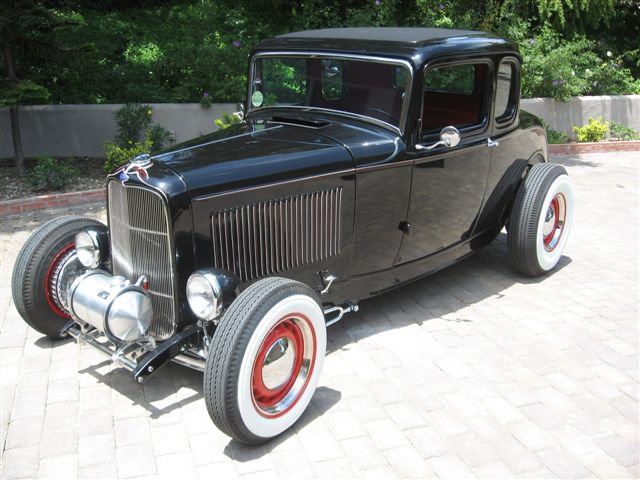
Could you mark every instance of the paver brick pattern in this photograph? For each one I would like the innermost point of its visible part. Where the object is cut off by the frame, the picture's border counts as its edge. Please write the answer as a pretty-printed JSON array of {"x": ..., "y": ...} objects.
[{"x": 474, "y": 372}]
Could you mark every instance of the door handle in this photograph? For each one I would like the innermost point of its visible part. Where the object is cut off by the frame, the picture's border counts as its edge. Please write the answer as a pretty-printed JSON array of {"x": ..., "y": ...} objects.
[{"x": 492, "y": 143}]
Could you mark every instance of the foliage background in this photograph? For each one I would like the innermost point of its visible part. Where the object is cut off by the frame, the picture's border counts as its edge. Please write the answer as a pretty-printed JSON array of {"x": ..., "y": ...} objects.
[{"x": 118, "y": 51}]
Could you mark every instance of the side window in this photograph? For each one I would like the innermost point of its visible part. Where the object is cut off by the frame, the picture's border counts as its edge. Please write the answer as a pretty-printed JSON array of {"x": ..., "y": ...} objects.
[
  {"x": 331, "y": 79},
  {"x": 455, "y": 79},
  {"x": 455, "y": 95},
  {"x": 506, "y": 91}
]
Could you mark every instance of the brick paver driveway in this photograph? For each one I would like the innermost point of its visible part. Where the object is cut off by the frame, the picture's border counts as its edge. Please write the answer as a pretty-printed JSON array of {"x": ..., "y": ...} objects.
[{"x": 473, "y": 372}]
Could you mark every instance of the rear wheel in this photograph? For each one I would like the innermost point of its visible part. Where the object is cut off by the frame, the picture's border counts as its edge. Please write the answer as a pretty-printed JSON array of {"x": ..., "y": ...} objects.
[
  {"x": 43, "y": 269},
  {"x": 265, "y": 360},
  {"x": 541, "y": 219}
]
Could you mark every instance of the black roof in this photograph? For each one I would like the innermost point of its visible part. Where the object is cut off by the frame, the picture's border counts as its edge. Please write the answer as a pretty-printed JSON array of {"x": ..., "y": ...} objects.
[
  {"x": 413, "y": 36},
  {"x": 413, "y": 44}
]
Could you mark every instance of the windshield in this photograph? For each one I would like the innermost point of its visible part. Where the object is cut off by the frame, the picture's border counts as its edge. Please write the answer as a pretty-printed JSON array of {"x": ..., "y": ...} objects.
[{"x": 363, "y": 87}]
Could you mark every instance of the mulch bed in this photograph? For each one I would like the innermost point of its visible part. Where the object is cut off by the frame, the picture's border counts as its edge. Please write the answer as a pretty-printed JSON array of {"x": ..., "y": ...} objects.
[{"x": 91, "y": 176}]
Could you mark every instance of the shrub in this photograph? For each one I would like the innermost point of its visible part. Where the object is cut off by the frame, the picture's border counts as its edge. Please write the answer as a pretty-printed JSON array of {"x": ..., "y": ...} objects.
[
  {"x": 159, "y": 137},
  {"x": 117, "y": 155},
  {"x": 134, "y": 126},
  {"x": 612, "y": 78},
  {"x": 594, "y": 131},
  {"x": 554, "y": 136},
  {"x": 555, "y": 67},
  {"x": 135, "y": 135},
  {"x": 133, "y": 121},
  {"x": 559, "y": 67},
  {"x": 227, "y": 120},
  {"x": 51, "y": 174},
  {"x": 623, "y": 132}
]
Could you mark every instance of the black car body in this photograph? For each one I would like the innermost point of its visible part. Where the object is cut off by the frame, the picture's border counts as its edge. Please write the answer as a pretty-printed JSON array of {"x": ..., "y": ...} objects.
[
  {"x": 413, "y": 211},
  {"x": 366, "y": 158}
]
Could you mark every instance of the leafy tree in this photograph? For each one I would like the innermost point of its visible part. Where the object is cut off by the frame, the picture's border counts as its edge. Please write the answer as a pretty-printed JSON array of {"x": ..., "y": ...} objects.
[
  {"x": 576, "y": 15},
  {"x": 197, "y": 50},
  {"x": 564, "y": 16},
  {"x": 26, "y": 40},
  {"x": 621, "y": 34}
]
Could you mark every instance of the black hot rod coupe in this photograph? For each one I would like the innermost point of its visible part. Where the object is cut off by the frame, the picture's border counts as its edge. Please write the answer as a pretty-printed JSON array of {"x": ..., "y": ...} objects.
[{"x": 366, "y": 158}]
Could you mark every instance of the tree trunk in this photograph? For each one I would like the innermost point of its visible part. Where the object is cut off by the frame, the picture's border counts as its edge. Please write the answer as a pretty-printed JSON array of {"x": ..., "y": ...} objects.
[
  {"x": 13, "y": 111},
  {"x": 17, "y": 140}
]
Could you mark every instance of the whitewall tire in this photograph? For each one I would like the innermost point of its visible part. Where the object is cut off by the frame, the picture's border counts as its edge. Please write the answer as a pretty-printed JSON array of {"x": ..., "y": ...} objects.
[
  {"x": 541, "y": 219},
  {"x": 265, "y": 360}
]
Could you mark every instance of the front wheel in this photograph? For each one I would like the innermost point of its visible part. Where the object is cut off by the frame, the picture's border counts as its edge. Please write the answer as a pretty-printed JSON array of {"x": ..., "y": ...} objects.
[
  {"x": 541, "y": 219},
  {"x": 45, "y": 267},
  {"x": 265, "y": 360}
]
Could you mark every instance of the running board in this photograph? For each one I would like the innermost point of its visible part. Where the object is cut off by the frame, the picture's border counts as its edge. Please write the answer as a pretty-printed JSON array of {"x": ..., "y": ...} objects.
[{"x": 339, "y": 311}]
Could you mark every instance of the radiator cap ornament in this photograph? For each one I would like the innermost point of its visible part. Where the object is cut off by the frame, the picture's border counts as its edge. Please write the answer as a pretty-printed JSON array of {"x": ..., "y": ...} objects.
[
  {"x": 140, "y": 161},
  {"x": 137, "y": 166}
]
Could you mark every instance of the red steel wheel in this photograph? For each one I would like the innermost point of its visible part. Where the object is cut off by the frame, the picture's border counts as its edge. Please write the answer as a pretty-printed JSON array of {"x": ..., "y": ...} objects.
[
  {"x": 284, "y": 365},
  {"x": 555, "y": 220}
]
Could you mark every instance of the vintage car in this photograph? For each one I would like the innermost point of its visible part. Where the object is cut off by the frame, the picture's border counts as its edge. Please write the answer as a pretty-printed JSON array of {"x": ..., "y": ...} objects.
[{"x": 366, "y": 158}]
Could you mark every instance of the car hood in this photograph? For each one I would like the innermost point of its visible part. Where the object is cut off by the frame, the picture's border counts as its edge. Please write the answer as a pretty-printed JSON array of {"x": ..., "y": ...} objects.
[
  {"x": 252, "y": 154},
  {"x": 263, "y": 152}
]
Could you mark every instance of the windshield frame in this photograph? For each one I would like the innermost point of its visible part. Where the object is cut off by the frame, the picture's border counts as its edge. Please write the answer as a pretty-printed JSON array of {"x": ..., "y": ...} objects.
[{"x": 335, "y": 56}]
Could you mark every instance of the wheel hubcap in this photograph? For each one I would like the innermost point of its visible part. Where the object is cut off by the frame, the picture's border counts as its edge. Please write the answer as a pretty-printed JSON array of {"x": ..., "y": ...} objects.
[
  {"x": 278, "y": 363},
  {"x": 554, "y": 222},
  {"x": 283, "y": 365}
]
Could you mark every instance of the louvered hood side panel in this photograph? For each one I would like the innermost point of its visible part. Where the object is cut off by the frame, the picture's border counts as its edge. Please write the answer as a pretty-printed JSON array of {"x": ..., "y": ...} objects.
[{"x": 270, "y": 237}]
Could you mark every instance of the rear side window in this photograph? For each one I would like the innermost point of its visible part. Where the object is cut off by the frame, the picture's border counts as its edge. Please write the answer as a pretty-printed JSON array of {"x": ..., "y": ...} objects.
[
  {"x": 506, "y": 91},
  {"x": 455, "y": 95}
]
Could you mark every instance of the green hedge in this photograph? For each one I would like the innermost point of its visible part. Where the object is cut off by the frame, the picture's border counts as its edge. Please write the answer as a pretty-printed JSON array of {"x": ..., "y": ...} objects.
[{"x": 190, "y": 51}]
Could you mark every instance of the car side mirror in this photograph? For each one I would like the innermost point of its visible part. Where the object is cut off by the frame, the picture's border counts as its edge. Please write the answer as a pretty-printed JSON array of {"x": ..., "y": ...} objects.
[{"x": 449, "y": 137}]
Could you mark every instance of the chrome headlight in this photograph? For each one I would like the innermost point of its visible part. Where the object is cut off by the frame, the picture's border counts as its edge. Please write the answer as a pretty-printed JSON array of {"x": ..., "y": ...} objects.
[
  {"x": 209, "y": 291},
  {"x": 88, "y": 248}
]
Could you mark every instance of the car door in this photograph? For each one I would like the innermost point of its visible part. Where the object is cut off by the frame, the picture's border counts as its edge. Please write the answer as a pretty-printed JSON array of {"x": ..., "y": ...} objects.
[{"x": 448, "y": 184}]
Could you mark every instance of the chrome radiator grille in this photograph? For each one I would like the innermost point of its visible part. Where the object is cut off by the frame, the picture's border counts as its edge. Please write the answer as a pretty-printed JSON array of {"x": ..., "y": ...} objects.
[
  {"x": 265, "y": 238},
  {"x": 141, "y": 245}
]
